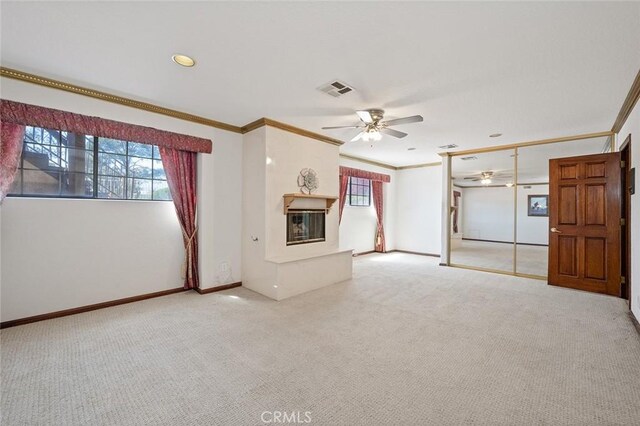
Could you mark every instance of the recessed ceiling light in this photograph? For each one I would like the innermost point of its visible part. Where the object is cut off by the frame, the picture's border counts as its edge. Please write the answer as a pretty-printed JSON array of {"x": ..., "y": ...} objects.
[
  {"x": 472, "y": 157},
  {"x": 183, "y": 60},
  {"x": 450, "y": 146},
  {"x": 411, "y": 149},
  {"x": 495, "y": 135}
]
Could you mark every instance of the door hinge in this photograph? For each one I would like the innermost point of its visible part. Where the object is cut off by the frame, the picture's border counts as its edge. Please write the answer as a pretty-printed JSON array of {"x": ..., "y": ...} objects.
[
  {"x": 623, "y": 164},
  {"x": 623, "y": 222},
  {"x": 623, "y": 280}
]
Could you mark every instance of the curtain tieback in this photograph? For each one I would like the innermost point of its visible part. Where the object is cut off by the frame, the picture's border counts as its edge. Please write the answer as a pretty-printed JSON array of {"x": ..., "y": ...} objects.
[
  {"x": 188, "y": 259},
  {"x": 190, "y": 239}
]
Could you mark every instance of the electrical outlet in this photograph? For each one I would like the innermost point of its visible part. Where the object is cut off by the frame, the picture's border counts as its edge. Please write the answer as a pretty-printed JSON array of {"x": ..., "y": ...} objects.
[{"x": 224, "y": 273}]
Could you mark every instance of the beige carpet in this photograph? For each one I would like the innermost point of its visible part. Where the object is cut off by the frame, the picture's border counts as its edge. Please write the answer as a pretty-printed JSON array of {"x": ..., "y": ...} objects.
[
  {"x": 404, "y": 343},
  {"x": 499, "y": 256}
]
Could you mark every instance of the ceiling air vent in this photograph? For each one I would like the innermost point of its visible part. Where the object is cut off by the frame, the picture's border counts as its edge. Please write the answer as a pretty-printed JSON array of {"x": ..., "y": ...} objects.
[
  {"x": 471, "y": 157},
  {"x": 336, "y": 88},
  {"x": 450, "y": 146}
]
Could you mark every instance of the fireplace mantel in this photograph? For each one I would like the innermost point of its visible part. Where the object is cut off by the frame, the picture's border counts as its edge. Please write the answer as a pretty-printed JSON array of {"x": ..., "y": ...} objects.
[{"x": 289, "y": 198}]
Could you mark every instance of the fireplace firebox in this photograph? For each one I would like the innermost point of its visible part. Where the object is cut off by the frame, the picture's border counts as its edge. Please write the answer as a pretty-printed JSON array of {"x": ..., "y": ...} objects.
[{"x": 305, "y": 226}]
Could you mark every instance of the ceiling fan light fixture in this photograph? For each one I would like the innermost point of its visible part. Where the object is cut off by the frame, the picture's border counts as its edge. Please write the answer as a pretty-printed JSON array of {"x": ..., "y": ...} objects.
[
  {"x": 486, "y": 178},
  {"x": 371, "y": 136},
  {"x": 183, "y": 60}
]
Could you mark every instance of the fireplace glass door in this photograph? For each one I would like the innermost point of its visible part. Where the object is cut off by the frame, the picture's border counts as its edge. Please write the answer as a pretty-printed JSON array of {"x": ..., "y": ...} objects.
[{"x": 305, "y": 226}]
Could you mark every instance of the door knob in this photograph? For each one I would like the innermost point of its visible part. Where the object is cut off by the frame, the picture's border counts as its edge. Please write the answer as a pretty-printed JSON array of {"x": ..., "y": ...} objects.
[{"x": 556, "y": 230}]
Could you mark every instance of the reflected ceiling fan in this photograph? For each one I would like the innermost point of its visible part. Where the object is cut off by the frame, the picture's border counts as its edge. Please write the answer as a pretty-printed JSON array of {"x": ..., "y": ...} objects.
[
  {"x": 487, "y": 177},
  {"x": 373, "y": 126}
]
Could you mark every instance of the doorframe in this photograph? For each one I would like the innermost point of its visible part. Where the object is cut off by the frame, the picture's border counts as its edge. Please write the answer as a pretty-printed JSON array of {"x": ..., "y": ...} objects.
[{"x": 625, "y": 248}]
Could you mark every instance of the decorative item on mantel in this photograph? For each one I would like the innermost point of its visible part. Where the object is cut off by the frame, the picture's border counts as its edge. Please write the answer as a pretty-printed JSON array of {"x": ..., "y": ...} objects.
[{"x": 308, "y": 181}]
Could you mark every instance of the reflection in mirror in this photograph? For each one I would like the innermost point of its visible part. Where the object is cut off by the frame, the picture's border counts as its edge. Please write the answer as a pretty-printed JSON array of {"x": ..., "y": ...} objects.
[
  {"x": 532, "y": 195},
  {"x": 483, "y": 202}
]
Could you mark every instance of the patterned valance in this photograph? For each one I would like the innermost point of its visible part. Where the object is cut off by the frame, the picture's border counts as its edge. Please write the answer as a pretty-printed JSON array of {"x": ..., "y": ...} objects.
[
  {"x": 33, "y": 115},
  {"x": 348, "y": 171}
]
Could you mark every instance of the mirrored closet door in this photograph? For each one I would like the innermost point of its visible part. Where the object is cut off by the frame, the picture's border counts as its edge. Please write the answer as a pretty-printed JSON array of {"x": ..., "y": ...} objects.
[
  {"x": 500, "y": 205},
  {"x": 482, "y": 223}
]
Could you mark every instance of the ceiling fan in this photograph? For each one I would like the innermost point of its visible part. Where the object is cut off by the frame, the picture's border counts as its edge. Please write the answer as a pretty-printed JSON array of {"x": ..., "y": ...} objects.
[
  {"x": 373, "y": 125},
  {"x": 487, "y": 177}
]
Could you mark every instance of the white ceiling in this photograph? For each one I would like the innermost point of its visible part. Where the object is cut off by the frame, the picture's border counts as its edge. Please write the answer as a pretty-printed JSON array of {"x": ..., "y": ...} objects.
[{"x": 527, "y": 70}]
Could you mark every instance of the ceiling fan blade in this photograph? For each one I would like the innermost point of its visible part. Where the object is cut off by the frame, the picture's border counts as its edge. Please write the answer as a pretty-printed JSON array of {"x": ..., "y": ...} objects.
[
  {"x": 343, "y": 127},
  {"x": 365, "y": 116},
  {"x": 357, "y": 137},
  {"x": 394, "y": 133},
  {"x": 405, "y": 120}
]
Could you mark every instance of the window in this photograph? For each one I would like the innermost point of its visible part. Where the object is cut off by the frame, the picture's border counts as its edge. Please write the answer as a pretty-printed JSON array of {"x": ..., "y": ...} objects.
[
  {"x": 63, "y": 164},
  {"x": 359, "y": 192}
]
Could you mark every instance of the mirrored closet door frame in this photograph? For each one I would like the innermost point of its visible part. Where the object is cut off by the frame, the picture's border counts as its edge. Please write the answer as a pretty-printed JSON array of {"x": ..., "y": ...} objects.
[{"x": 610, "y": 146}]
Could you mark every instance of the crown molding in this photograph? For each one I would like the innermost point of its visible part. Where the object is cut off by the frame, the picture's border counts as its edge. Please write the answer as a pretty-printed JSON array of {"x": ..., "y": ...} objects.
[
  {"x": 366, "y": 161},
  {"x": 629, "y": 102},
  {"x": 261, "y": 122},
  {"x": 528, "y": 143},
  {"x": 103, "y": 96},
  {"x": 388, "y": 166},
  {"x": 419, "y": 166}
]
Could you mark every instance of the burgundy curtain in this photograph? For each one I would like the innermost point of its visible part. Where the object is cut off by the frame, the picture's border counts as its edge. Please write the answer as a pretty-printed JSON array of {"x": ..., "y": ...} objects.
[
  {"x": 344, "y": 181},
  {"x": 376, "y": 187},
  {"x": 364, "y": 174},
  {"x": 33, "y": 115},
  {"x": 10, "y": 150},
  {"x": 180, "y": 168},
  {"x": 377, "y": 179}
]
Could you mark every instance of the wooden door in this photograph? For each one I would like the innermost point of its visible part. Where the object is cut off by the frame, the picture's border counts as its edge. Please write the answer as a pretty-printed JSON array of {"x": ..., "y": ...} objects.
[{"x": 584, "y": 222}]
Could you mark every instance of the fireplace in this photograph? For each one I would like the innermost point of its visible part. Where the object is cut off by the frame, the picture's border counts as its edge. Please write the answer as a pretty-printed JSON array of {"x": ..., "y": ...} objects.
[{"x": 305, "y": 226}]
